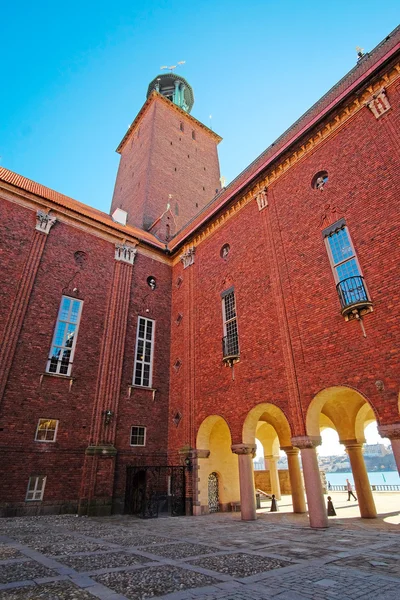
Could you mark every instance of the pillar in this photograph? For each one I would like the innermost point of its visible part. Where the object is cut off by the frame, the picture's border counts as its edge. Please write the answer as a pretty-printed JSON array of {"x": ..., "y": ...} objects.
[
  {"x": 245, "y": 453},
  {"x": 97, "y": 483},
  {"x": 20, "y": 302},
  {"x": 199, "y": 458},
  {"x": 361, "y": 481},
  {"x": 312, "y": 479},
  {"x": 296, "y": 481},
  {"x": 177, "y": 93},
  {"x": 274, "y": 475},
  {"x": 393, "y": 433}
]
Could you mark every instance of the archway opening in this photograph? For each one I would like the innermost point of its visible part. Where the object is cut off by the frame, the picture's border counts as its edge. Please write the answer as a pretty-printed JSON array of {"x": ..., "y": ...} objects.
[{"x": 215, "y": 459}]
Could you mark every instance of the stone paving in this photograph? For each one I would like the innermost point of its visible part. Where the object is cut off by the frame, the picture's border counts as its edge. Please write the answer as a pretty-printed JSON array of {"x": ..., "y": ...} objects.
[{"x": 204, "y": 558}]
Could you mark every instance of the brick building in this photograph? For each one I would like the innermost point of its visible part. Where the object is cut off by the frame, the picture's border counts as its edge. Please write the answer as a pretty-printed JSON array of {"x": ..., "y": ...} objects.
[{"x": 144, "y": 352}]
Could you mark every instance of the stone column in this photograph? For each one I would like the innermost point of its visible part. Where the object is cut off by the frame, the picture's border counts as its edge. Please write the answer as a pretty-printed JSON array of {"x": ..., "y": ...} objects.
[
  {"x": 19, "y": 304},
  {"x": 199, "y": 458},
  {"x": 312, "y": 480},
  {"x": 296, "y": 481},
  {"x": 245, "y": 453},
  {"x": 361, "y": 481},
  {"x": 177, "y": 93},
  {"x": 274, "y": 475},
  {"x": 393, "y": 433}
]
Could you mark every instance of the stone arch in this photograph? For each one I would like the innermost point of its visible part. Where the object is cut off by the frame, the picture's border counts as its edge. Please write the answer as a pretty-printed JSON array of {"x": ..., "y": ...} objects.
[
  {"x": 271, "y": 414},
  {"x": 344, "y": 407},
  {"x": 214, "y": 454}
]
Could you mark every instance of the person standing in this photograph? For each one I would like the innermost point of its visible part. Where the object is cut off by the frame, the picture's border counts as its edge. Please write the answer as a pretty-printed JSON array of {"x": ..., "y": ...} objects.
[{"x": 349, "y": 488}]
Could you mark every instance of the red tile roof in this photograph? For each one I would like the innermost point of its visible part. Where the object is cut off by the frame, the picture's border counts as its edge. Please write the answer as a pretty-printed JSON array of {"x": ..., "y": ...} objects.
[{"x": 78, "y": 207}]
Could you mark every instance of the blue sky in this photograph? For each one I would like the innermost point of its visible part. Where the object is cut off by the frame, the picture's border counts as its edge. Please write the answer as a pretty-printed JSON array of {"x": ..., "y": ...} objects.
[{"x": 75, "y": 75}]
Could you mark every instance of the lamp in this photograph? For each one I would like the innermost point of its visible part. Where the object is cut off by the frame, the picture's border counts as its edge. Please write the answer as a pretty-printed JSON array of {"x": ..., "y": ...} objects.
[{"x": 108, "y": 415}]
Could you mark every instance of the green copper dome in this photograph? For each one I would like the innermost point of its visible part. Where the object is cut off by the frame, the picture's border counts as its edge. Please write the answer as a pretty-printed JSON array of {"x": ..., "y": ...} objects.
[{"x": 175, "y": 88}]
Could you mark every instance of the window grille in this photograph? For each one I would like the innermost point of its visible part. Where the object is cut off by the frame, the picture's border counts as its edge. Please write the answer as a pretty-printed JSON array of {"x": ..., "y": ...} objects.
[
  {"x": 46, "y": 430},
  {"x": 346, "y": 269},
  {"x": 65, "y": 335},
  {"x": 144, "y": 352},
  {"x": 138, "y": 435},
  {"x": 36, "y": 487},
  {"x": 230, "y": 340}
]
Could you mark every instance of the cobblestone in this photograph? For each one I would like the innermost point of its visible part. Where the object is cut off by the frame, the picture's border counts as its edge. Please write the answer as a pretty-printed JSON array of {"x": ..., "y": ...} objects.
[{"x": 206, "y": 558}]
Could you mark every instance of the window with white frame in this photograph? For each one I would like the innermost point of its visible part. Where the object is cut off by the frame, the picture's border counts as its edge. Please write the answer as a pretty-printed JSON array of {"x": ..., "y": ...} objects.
[
  {"x": 46, "y": 430},
  {"x": 65, "y": 334},
  {"x": 344, "y": 263},
  {"x": 231, "y": 338},
  {"x": 36, "y": 487},
  {"x": 144, "y": 352},
  {"x": 138, "y": 435}
]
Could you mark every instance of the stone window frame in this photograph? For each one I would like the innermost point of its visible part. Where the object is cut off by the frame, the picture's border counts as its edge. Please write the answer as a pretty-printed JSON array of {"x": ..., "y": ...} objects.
[
  {"x": 36, "y": 487},
  {"x": 139, "y": 435},
  {"x": 47, "y": 430},
  {"x": 63, "y": 347},
  {"x": 138, "y": 373}
]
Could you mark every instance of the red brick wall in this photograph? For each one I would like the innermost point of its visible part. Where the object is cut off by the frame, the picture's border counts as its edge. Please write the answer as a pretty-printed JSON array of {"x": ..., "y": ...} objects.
[
  {"x": 161, "y": 160},
  {"x": 362, "y": 160},
  {"x": 31, "y": 394}
]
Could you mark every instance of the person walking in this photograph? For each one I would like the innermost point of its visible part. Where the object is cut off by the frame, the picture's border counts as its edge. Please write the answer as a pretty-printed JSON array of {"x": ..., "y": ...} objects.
[{"x": 350, "y": 492}]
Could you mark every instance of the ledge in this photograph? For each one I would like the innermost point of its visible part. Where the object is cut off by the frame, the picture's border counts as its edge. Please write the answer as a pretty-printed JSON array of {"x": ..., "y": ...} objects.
[
  {"x": 141, "y": 387},
  {"x": 102, "y": 449}
]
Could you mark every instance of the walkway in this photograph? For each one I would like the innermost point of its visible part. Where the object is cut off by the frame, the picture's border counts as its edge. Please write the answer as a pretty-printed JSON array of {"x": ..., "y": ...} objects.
[{"x": 204, "y": 558}]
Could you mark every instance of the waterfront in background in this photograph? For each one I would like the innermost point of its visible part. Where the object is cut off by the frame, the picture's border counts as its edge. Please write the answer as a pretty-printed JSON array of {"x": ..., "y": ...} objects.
[{"x": 381, "y": 478}]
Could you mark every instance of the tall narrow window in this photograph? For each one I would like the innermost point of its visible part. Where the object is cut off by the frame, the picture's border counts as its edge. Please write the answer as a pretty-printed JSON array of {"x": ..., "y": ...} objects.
[
  {"x": 144, "y": 352},
  {"x": 230, "y": 341},
  {"x": 345, "y": 266},
  {"x": 36, "y": 485},
  {"x": 64, "y": 340}
]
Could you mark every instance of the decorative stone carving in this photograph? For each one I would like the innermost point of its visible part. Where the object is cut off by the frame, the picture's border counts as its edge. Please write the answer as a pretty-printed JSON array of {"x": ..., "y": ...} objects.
[
  {"x": 44, "y": 221},
  {"x": 177, "y": 419},
  {"x": 262, "y": 199},
  {"x": 330, "y": 215},
  {"x": 379, "y": 103},
  {"x": 380, "y": 386},
  {"x": 391, "y": 431},
  {"x": 187, "y": 258},
  {"x": 244, "y": 449},
  {"x": 305, "y": 441},
  {"x": 125, "y": 253}
]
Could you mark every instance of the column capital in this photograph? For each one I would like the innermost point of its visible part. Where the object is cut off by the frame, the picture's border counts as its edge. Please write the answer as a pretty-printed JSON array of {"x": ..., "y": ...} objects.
[
  {"x": 44, "y": 221},
  {"x": 350, "y": 444},
  {"x": 391, "y": 431},
  {"x": 200, "y": 453},
  {"x": 271, "y": 457},
  {"x": 290, "y": 450},
  {"x": 306, "y": 441},
  {"x": 125, "y": 253},
  {"x": 244, "y": 449}
]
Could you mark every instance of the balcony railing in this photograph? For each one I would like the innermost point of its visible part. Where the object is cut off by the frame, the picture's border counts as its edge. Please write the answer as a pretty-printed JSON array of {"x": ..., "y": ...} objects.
[
  {"x": 230, "y": 348},
  {"x": 353, "y": 296}
]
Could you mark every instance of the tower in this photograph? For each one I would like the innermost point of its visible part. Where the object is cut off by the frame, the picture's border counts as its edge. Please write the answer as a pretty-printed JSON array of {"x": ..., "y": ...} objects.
[{"x": 169, "y": 168}]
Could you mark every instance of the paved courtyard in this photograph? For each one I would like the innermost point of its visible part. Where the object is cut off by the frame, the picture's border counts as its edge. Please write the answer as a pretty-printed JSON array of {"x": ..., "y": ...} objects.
[{"x": 205, "y": 558}]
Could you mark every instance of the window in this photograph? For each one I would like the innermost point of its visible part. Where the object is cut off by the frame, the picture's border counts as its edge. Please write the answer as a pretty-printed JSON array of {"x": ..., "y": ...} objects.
[
  {"x": 181, "y": 126},
  {"x": 36, "y": 487},
  {"x": 138, "y": 436},
  {"x": 65, "y": 334},
  {"x": 144, "y": 352},
  {"x": 46, "y": 430},
  {"x": 346, "y": 270},
  {"x": 230, "y": 339},
  {"x": 193, "y": 134}
]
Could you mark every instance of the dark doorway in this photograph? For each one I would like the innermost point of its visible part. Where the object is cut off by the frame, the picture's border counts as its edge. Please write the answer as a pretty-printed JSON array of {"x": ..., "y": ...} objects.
[{"x": 155, "y": 491}]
